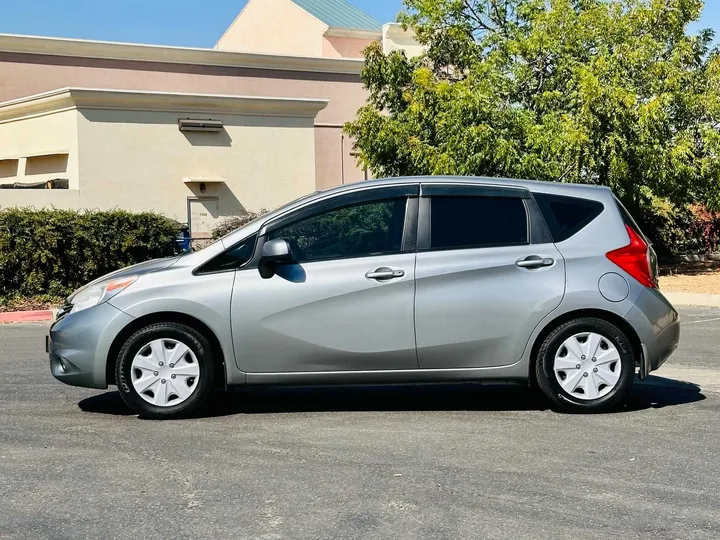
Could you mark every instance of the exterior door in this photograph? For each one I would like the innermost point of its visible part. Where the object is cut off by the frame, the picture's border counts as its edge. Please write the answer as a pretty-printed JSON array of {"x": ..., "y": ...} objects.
[
  {"x": 204, "y": 214},
  {"x": 486, "y": 276},
  {"x": 346, "y": 302}
]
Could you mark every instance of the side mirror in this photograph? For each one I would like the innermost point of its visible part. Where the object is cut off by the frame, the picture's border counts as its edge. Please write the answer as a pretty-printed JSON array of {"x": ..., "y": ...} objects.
[{"x": 276, "y": 251}]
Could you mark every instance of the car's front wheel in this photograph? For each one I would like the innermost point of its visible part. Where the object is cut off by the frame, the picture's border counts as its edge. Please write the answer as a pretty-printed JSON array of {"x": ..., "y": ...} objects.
[
  {"x": 585, "y": 365},
  {"x": 165, "y": 371}
]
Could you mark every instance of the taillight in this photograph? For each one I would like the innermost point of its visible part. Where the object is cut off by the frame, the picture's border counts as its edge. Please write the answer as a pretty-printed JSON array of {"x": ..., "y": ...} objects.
[{"x": 634, "y": 259}]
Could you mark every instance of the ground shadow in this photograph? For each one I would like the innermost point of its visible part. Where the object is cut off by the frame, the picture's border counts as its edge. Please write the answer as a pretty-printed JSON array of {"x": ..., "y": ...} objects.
[
  {"x": 658, "y": 392},
  {"x": 107, "y": 403},
  {"x": 654, "y": 393},
  {"x": 205, "y": 138}
]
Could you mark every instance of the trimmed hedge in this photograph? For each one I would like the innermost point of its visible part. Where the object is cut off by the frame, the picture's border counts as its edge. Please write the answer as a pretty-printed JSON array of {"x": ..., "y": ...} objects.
[{"x": 53, "y": 252}]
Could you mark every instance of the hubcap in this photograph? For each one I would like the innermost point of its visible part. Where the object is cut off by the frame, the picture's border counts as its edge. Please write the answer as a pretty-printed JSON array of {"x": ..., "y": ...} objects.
[
  {"x": 165, "y": 372},
  {"x": 587, "y": 366}
]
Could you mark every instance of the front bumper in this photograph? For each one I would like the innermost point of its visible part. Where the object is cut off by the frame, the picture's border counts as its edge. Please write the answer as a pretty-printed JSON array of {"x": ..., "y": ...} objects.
[{"x": 79, "y": 344}]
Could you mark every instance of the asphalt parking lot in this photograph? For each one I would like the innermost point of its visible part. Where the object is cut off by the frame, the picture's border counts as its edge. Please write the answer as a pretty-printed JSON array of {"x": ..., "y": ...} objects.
[{"x": 460, "y": 461}]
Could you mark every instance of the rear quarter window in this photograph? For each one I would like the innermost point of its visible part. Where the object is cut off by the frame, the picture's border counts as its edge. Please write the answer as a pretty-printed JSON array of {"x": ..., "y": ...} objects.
[{"x": 567, "y": 216}]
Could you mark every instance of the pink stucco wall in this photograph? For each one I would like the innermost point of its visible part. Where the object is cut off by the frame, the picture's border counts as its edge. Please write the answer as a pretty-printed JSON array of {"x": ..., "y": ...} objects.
[
  {"x": 261, "y": 28},
  {"x": 343, "y": 47},
  {"x": 27, "y": 74}
]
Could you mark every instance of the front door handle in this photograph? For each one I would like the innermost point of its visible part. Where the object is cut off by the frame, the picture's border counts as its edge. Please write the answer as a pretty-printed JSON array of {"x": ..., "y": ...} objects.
[
  {"x": 385, "y": 273},
  {"x": 535, "y": 261}
]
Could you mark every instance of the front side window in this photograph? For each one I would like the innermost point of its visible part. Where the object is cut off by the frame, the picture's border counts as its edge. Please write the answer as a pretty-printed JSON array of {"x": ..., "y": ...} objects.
[
  {"x": 473, "y": 222},
  {"x": 360, "y": 230}
]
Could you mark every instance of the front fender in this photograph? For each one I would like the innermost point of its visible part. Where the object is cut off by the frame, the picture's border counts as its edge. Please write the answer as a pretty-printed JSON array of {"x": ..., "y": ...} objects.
[{"x": 205, "y": 298}]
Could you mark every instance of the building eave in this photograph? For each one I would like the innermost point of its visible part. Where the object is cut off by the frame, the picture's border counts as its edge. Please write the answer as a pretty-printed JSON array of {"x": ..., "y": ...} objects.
[
  {"x": 11, "y": 43},
  {"x": 374, "y": 35},
  {"x": 395, "y": 29},
  {"x": 88, "y": 98}
]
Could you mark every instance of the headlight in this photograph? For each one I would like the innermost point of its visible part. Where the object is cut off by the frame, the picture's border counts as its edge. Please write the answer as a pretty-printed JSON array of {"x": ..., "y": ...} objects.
[{"x": 100, "y": 292}]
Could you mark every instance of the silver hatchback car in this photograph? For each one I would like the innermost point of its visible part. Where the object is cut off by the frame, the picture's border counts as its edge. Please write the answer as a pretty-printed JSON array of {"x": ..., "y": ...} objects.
[{"x": 389, "y": 281}]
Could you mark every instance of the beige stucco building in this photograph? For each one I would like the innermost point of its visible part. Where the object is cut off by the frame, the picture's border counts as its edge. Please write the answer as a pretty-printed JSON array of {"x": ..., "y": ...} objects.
[{"x": 197, "y": 134}]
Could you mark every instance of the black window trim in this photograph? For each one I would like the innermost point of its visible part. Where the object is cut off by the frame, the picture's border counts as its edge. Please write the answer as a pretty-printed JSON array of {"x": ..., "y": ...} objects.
[
  {"x": 448, "y": 189},
  {"x": 410, "y": 226},
  {"x": 539, "y": 231},
  {"x": 200, "y": 270},
  {"x": 468, "y": 190}
]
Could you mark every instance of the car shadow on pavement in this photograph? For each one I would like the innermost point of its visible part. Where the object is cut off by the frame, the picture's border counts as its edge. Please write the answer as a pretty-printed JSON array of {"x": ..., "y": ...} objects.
[
  {"x": 653, "y": 393},
  {"x": 658, "y": 392}
]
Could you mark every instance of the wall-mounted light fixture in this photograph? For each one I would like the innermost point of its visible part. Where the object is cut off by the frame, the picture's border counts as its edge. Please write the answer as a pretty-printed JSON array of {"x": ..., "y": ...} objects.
[{"x": 190, "y": 124}]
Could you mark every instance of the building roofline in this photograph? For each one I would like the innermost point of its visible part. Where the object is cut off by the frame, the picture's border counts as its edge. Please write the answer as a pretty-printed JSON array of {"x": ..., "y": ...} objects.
[
  {"x": 89, "y": 98},
  {"x": 237, "y": 17},
  {"x": 13, "y": 43},
  {"x": 328, "y": 12}
]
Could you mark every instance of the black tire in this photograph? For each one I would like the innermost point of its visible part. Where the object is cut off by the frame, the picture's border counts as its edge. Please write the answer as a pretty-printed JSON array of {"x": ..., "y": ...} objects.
[
  {"x": 197, "y": 343},
  {"x": 548, "y": 383}
]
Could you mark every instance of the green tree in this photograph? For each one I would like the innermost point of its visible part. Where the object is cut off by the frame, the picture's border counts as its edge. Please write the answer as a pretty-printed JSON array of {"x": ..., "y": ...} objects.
[{"x": 611, "y": 92}]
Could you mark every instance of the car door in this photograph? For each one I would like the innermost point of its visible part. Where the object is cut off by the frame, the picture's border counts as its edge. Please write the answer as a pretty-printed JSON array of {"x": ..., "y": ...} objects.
[
  {"x": 346, "y": 301},
  {"x": 487, "y": 273}
]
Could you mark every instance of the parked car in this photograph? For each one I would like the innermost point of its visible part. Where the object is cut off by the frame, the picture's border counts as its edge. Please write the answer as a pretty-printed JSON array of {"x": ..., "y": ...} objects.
[{"x": 387, "y": 281}]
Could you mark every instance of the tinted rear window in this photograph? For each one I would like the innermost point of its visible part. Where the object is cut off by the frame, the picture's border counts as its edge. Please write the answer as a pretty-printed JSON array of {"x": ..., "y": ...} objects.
[
  {"x": 566, "y": 216},
  {"x": 471, "y": 222}
]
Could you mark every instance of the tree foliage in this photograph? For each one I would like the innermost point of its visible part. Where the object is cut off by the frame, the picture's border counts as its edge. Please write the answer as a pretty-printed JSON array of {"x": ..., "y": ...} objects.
[{"x": 611, "y": 92}]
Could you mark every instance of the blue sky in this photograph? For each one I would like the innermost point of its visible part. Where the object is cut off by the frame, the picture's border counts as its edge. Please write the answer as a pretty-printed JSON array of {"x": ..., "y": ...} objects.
[{"x": 191, "y": 23}]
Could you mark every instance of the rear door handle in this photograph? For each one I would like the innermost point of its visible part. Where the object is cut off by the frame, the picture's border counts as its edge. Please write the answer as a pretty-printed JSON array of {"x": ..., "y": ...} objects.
[
  {"x": 385, "y": 273},
  {"x": 535, "y": 261}
]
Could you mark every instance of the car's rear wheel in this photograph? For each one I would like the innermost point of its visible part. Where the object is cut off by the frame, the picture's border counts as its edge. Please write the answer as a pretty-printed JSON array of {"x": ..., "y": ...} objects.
[
  {"x": 585, "y": 365},
  {"x": 165, "y": 371}
]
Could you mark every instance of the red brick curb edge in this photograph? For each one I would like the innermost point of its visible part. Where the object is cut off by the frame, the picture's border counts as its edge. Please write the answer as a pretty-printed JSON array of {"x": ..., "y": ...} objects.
[{"x": 27, "y": 316}]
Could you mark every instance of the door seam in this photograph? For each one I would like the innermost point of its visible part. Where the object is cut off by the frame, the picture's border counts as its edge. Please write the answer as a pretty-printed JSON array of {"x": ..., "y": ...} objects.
[{"x": 417, "y": 354}]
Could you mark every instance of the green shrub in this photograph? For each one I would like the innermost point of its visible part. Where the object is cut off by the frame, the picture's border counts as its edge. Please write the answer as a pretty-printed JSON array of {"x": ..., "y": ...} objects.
[
  {"x": 228, "y": 225},
  {"x": 53, "y": 252},
  {"x": 677, "y": 230}
]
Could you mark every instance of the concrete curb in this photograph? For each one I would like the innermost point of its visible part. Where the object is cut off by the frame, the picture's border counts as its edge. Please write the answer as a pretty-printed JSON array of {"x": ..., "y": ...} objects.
[
  {"x": 27, "y": 316},
  {"x": 693, "y": 299}
]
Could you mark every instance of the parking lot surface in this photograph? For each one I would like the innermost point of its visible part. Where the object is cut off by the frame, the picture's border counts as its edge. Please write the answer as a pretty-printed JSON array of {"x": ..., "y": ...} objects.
[{"x": 428, "y": 461}]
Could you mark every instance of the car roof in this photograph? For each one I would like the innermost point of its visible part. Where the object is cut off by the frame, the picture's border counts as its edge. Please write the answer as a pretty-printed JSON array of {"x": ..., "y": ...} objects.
[{"x": 536, "y": 186}]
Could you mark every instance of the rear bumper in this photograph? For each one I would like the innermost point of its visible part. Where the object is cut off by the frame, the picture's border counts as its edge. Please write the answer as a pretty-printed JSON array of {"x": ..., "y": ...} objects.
[
  {"x": 657, "y": 324},
  {"x": 79, "y": 344}
]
